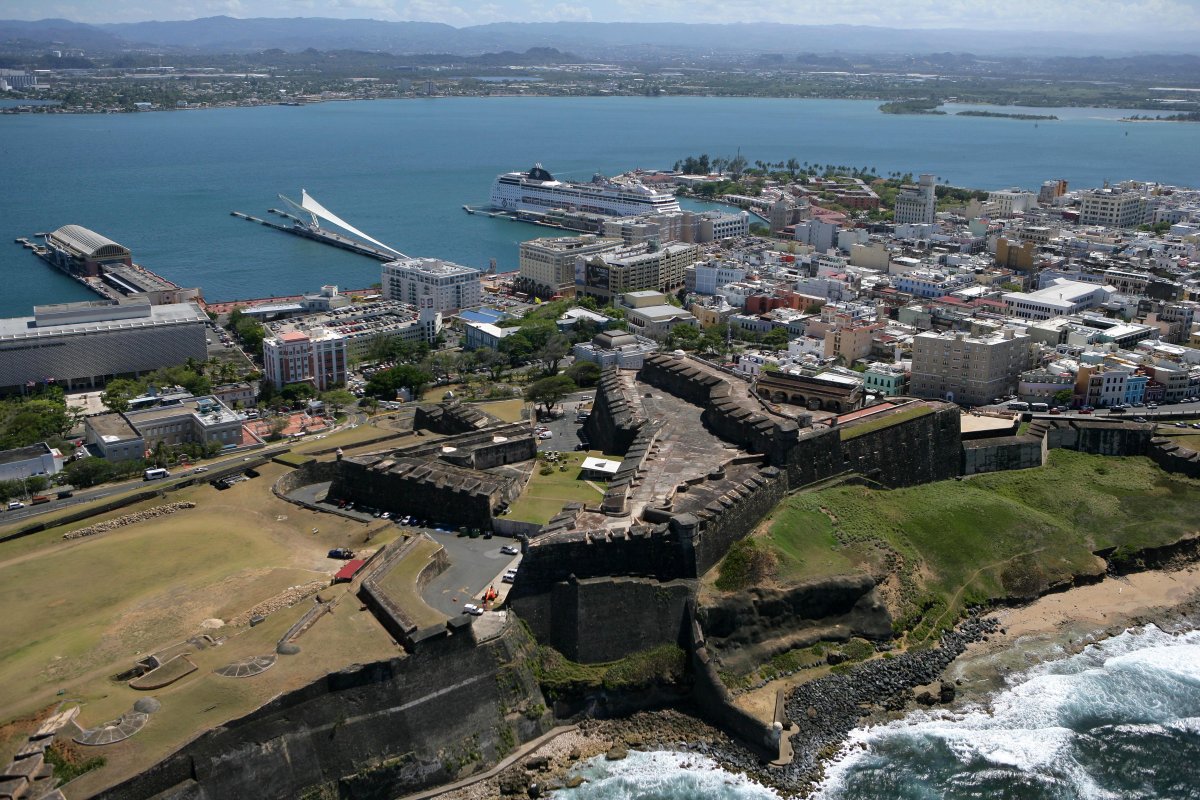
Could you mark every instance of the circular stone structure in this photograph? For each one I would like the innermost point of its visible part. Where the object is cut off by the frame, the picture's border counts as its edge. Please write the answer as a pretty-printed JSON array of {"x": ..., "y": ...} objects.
[
  {"x": 118, "y": 730},
  {"x": 247, "y": 667}
]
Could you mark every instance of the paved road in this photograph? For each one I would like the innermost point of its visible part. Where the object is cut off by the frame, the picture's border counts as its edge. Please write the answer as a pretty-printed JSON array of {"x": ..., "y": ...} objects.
[{"x": 110, "y": 489}]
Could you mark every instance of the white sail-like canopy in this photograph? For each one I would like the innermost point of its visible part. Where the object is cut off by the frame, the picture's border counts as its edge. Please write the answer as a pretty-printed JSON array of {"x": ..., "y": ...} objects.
[{"x": 317, "y": 210}]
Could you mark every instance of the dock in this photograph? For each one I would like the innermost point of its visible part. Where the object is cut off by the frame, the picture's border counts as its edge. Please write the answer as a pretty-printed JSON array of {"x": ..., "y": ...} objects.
[
  {"x": 529, "y": 217},
  {"x": 297, "y": 228}
]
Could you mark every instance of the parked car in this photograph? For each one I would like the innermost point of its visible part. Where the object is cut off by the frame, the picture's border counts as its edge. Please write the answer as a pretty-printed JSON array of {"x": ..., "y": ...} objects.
[
  {"x": 508, "y": 578},
  {"x": 473, "y": 610},
  {"x": 546, "y": 435},
  {"x": 509, "y": 550},
  {"x": 341, "y": 552}
]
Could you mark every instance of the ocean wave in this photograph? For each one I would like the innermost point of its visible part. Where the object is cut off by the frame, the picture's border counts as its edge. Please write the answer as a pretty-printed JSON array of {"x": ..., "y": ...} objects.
[
  {"x": 663, "y": 776},
  {"x": 1121, "y": 719}
]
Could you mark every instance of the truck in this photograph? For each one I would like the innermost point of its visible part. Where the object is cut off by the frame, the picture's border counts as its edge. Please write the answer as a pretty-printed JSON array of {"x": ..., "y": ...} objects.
[{"x": 38, "y": 499}]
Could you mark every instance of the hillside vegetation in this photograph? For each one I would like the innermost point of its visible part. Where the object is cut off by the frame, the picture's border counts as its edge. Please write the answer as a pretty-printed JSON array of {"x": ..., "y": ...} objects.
[{"x": 936, "y": 548}]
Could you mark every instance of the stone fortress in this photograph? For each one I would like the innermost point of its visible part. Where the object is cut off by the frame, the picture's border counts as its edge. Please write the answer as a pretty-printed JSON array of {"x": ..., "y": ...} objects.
[{"x": 704, "y": 461}]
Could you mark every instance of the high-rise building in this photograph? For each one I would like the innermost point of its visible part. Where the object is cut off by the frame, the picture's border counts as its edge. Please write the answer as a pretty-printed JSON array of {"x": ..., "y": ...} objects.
[
  {"x": 550, "y": 262},
  {"x": 451, "y": 286},
  {"x": 972, "y": 370},
  {"x": 917, "y": 204}
]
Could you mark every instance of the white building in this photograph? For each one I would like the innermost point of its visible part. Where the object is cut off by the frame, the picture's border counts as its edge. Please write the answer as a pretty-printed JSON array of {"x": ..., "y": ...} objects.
[
  {"x": 90, "y": 342},
  {"x": 451, "y": 286},
  {"x": 1059, "y": 298},
  {"x": 25, "y": 462},
  {"x": 917, "y": 204},
  {"x": 817, "y": 233},
  {"x": 1011, "y": 201},
  {"x": 1112, "y": 208},
  {"x": 711, "y": 275}
]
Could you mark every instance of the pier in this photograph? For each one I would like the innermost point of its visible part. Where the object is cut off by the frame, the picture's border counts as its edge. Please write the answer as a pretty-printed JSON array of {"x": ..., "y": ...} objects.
[{"x": 321, "y": 235}]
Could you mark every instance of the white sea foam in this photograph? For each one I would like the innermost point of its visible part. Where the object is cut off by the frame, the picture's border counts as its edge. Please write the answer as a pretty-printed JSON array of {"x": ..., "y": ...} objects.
[
  {"x": 1143, "y": 680},
  {"x": 664, "y": 776}
]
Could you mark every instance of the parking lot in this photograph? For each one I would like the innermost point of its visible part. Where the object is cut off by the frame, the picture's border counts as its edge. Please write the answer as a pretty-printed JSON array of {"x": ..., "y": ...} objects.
[{"x": 566, "y": 429}]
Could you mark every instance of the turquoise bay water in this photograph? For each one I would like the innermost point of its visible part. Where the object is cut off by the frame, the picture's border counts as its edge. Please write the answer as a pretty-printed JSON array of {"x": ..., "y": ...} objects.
[
  {"x": 164, "y": 183},
  {"x": 1118, "y": 721}
]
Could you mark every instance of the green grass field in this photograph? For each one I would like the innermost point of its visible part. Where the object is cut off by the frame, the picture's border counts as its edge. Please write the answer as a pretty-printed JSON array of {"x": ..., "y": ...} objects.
[
  {"x": 545, "y": 495},
  {"x": 401, "y": 584},
  {"x": 1013, "y": 533}
]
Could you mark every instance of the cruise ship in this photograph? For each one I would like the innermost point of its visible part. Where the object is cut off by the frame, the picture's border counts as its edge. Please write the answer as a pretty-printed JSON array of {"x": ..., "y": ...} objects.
[{"x": 537, "y": 190}]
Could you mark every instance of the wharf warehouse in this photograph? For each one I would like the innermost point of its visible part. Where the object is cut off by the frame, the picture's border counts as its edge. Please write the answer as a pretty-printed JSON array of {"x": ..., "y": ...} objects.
[{"x": 86, "y": 344}]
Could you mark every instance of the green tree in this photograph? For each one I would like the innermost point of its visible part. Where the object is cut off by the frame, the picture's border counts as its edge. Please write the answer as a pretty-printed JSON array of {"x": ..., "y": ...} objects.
[
  {"x": 298, "y": 392},
  {"x": 553, "y": 352},
  {"x": 1063, "y": 397},
  {"x": 118, "y": 393},
  {"x": 583, "y": 373},
  {"x": 87, "y": 472},
  {"x": 337, "y": 399},
  {"x": 776, "y": 339},
  {"x": 550, "y": 390}
]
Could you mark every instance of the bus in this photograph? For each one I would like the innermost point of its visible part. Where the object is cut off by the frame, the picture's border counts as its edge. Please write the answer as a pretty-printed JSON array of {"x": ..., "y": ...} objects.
[
  {"x": 1019, "y": 406},
  {"x": 1039, "y": 407},
  {"x": 155, "y": 473}
]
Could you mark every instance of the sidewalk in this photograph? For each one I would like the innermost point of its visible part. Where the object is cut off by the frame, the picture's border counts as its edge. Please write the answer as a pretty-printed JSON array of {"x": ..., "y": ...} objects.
[{"x": 522, "y": 751}]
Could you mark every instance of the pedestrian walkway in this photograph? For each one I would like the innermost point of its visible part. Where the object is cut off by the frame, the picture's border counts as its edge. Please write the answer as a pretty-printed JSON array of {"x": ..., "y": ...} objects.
[{"x": 522, "y": 751}]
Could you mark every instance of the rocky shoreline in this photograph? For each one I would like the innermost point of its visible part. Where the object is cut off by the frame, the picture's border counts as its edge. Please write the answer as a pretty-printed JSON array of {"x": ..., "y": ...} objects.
[{"x": 964, "y": 667}]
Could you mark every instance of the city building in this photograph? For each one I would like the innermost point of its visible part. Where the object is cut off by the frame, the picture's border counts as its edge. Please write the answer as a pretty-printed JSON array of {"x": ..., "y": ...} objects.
[
  {"x": 364, "y": 326},
  {"x": 1008, "y": 202},
  {"x": 615, "y": 348},
  {"x": 932, "y": 282},
  {"x": 550, "y": 262},
  {"x": 485, "y": 335},
  {"x": 1112, "y": 208},
  {"x": 25, "y": 462},
  {"x": 656, "y": 322},
  {"x": 884, "y": 380},
  {"x": 85, "y": 344},
  {"x": 971, "y": 370},
  {"x": 705, "y": 277},
  {"x": 917, "y": 204},
  {"x": 236, "y": 395},
  {"x": 605, "y": 276},
  {"x": 451, "y": 286},
  {"x": 317, "y": 356},
  {"x": 133, "y": 434},
  {"x": 1059, "y": 298}
]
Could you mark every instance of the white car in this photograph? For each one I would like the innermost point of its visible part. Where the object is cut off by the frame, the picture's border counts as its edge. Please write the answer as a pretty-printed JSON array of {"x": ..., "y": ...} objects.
[
  {"x": 509, "y": 550},
  {"x": 546, "y": 435},
  {"x": 15, "y": 504},
  {"x": 473, "y": 610}
]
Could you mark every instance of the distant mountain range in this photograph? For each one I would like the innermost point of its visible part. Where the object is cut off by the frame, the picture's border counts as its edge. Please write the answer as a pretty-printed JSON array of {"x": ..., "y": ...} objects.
[{"x": 592, "y": 40}]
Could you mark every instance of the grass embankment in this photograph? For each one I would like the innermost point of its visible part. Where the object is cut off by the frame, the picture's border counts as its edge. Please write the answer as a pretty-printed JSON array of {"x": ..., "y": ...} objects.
[
  {"x": 939, "y": 547},
  {"x": 400, "y": 583},
  {"x": 546, "y": 494},
  {"x": 559, "y": 675}
]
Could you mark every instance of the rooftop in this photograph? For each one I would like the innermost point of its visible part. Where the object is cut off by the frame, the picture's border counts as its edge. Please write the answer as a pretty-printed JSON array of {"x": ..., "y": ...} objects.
[
  {"x": 118, "y": 317},
  {"x": 24, "y": 453}
]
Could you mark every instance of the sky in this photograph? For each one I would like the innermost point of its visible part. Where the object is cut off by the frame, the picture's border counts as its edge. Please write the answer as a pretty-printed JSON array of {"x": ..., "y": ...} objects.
[{"x": 1135, "y": 16}]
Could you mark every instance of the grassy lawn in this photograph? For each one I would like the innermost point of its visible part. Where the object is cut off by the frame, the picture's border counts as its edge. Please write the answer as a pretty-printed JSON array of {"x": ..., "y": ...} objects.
[
  {"x": 945, "y": 544},
  {"x": 884, "y": 421},
  {"x": 401, "y": 584},
  {"x": 545, "y": 495},
  {"x": 78, "y": 611}
]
